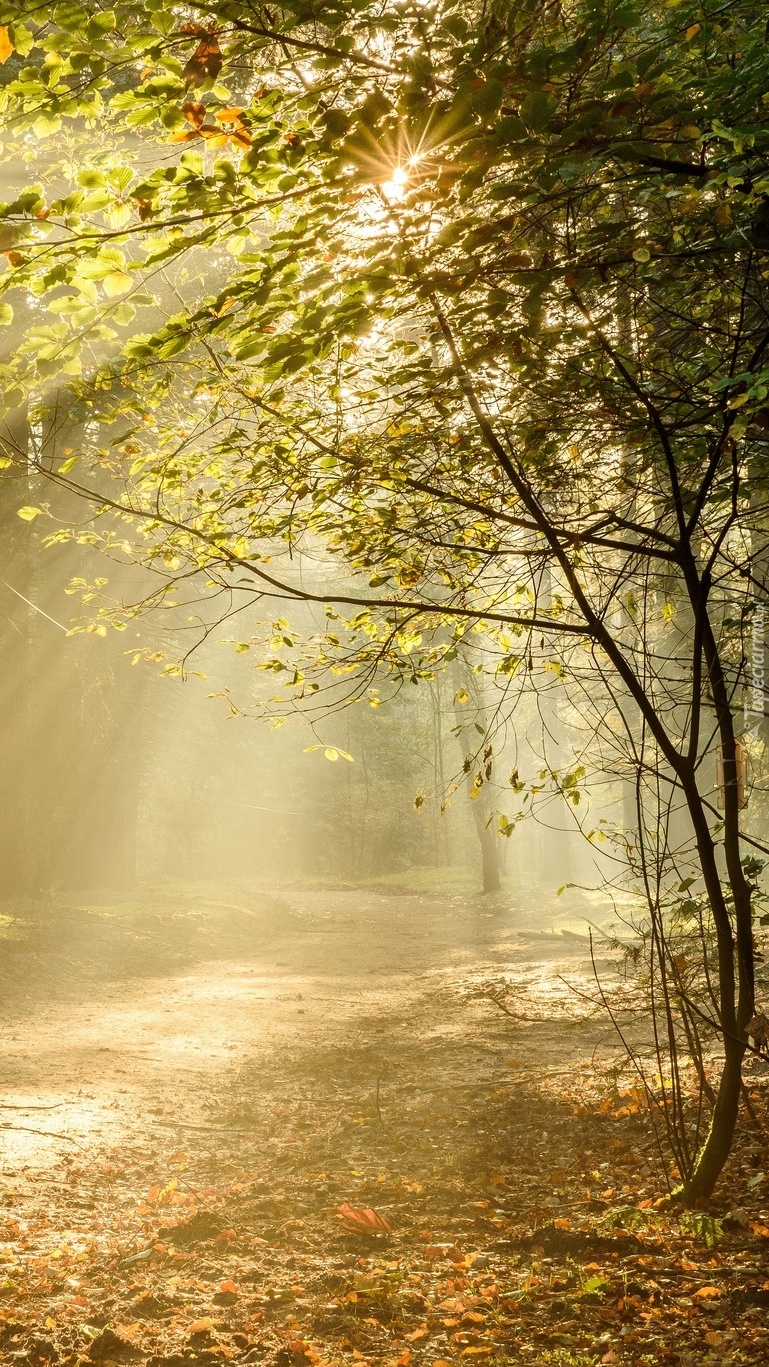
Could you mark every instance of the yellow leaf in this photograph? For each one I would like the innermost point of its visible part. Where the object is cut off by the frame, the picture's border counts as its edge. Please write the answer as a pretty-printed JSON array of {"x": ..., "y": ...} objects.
[
  {"x": 117, "y": 282},
  {"x": 692, "y": 31},
  {"x": 6, "y": 46},
  {"x": 29, "y": 514}
]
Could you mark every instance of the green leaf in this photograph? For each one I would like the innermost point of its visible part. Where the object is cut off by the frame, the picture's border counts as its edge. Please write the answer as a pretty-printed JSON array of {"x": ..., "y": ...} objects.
[
  {"x": 488, "y": 97},
  {"x": 536, "y": 110}
]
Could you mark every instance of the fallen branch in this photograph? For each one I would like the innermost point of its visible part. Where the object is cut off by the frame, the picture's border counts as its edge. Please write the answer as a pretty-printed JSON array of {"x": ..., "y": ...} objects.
[
  {"x": 47, "y": 1134},
  {"x": 10, "y": 1106}
]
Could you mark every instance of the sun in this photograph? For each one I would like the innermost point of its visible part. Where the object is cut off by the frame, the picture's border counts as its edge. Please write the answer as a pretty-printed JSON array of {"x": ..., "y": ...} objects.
[{"x": 394, "y": 189}]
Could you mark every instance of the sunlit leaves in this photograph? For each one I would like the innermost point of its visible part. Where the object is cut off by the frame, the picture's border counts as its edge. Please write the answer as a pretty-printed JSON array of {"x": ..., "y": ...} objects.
[{"x": 330, "y": 752}]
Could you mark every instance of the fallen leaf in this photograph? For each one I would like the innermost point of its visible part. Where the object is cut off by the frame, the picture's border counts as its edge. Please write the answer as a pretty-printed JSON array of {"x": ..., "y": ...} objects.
[{"x": 360, "y": 1220}]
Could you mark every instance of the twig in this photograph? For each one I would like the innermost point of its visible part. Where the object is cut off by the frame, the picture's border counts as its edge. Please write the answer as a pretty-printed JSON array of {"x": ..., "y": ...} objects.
[
  {"x": 47, "y": 1134},
  {"x": 379, "y": 1077},
  {"x": 9, "y": 1106},
  {"x": 208, "y": 1129}
]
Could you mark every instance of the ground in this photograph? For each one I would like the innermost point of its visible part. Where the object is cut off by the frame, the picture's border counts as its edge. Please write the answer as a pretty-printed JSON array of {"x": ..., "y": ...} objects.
[{"x": 200, "y": 1096}]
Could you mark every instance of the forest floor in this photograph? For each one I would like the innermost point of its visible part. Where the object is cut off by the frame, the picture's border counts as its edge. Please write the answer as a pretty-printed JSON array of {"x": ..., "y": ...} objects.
[{"x": 188, "y": 1106}]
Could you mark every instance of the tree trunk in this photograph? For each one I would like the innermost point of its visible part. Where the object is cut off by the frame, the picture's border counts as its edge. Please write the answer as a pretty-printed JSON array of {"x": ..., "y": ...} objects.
[
  {"x": 482, "y": 813},
  {"x": 488, "y": 843},
  {"x": 712, "y": 1156}
]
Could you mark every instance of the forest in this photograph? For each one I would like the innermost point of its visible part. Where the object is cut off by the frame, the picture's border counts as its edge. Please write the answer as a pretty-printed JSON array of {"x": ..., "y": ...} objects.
[{"x": 384, "y": 781}]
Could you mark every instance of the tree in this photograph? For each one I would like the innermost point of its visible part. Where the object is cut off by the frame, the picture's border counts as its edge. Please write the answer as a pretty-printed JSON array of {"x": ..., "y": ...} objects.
[{"x": 458, "y": 293}]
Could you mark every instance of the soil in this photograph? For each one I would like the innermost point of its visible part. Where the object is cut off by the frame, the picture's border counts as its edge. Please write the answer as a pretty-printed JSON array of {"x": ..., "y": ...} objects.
[{"x": 325, "y": 1144}]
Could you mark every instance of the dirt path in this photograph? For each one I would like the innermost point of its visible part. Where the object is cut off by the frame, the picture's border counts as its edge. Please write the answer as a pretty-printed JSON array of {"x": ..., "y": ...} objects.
[
  {"x": 117, "y": 1056},
  {"x": 224, "y": 1113}
]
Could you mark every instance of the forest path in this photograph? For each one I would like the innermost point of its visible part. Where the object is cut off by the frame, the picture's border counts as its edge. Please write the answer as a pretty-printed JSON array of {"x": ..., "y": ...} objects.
[
  {"x": 227, "y": 1113},
  {"x": 111, "y": 1057}
]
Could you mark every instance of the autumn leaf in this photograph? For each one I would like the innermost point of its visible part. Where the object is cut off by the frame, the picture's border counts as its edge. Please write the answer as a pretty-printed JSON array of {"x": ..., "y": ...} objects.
[
  {"x": 6, "y": 46},
  {"x": 194, "y": 113},
  {"x": 206, "y": 60},
  {"x": 240, "y": 136},
  {"x": 362, "y": 1221}
]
